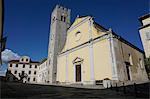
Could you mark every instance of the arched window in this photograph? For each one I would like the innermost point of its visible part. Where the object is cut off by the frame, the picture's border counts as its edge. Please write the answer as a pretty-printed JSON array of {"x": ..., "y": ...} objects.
[
  {"x": 130, "y": 59},
  {"x": 77, "y": 36},
  {"x": 141, "y": 63}
]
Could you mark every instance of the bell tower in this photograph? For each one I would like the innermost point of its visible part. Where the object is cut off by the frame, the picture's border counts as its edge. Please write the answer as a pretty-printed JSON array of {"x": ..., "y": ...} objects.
[{"x": 60, "y": 22}]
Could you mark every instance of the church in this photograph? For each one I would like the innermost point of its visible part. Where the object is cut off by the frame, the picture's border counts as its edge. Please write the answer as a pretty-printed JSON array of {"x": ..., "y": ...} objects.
[{"x": 85, "y": 52}]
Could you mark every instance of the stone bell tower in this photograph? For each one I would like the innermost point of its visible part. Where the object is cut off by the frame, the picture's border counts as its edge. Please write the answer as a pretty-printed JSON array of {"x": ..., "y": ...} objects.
[{"x": 60, "y": 22}]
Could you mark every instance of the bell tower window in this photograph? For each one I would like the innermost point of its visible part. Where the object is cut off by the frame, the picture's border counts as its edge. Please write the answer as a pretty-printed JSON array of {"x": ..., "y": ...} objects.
[
  {"x": 64, "y": 19},
  {"x": 61, "y": 18}
]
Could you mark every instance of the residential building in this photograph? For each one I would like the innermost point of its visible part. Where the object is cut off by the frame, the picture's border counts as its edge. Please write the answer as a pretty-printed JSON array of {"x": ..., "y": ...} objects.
[
  {"x": 145, "y": 33},
  {"x": 24, "y": 66},
  {"x": 42, "y": 74}
]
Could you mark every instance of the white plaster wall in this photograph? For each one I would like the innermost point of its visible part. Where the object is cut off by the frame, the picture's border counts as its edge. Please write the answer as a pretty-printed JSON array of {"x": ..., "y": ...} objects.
[{"x": 27, "y": 68}]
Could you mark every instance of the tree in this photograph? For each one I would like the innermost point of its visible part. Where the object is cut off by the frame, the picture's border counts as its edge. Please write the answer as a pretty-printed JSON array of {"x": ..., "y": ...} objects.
[{"x": 22, "y": 76}]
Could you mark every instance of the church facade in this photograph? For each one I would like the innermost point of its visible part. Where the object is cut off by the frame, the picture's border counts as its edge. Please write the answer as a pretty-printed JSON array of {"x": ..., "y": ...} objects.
[
  {"x": 86, "y": 52},
  {"x": 93, "y": 53}
]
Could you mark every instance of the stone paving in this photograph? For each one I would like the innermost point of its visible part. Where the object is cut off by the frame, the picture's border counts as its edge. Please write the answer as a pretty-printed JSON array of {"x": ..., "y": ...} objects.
[{"x": 33, "y": 91}]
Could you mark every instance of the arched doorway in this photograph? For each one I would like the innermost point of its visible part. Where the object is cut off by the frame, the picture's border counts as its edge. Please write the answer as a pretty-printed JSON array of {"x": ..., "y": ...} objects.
[{"x": 128, "y": 71}]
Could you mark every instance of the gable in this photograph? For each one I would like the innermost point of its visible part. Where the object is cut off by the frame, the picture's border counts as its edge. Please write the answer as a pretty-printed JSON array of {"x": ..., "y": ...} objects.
[
  {"x": 81, "y": 31},
  {"x": 77, "y": 60},
  {"x": 77, "y": 21},
  {"x": 77, "y": 34}
]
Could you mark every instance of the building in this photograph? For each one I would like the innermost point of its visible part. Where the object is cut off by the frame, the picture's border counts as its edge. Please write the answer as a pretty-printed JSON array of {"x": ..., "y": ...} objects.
[
  {"x": 24, "y": 66},
  {"x": 1, "y": 18},
  {"x": 1, "y": 27},
  {"x": 2, "y": 40},
  {"x": 60, "y": 22},
  {"x": 145, "y": 33},
  {"x": 92, "y": 53},
  {"x": 42, "y": 74}
]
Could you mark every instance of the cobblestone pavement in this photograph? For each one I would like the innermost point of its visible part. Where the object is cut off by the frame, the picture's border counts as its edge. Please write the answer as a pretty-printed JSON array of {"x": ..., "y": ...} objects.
[{"x": 33, "y": 91}]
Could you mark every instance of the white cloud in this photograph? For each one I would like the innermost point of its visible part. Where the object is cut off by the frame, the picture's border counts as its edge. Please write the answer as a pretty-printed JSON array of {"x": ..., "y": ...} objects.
[{"x": 8, "y": 55}]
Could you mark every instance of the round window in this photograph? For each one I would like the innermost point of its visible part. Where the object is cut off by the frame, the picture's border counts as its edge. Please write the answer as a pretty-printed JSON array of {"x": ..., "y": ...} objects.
[{"x": 77, "y": 36}]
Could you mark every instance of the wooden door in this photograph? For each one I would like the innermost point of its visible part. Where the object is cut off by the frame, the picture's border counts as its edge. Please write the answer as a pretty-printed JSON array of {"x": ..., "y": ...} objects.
[{"x": 78, "y": 73}]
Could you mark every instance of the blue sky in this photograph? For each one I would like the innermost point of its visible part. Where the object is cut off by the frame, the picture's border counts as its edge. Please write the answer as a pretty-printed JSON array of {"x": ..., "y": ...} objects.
[{"x": 27, "y": 22}]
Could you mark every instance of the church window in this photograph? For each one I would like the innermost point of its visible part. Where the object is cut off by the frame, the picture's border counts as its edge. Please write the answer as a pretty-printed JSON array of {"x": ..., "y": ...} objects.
[
  {"x": 35, "y": 66},
  {"x": 148, "y": 35},
  {"x": 130, "y": 59},
  {"x": 78, "y": 35},
  {"x": 30, "y": 66},
  {"x": 141, "y": 62},
  {"x": 26, "y": 59}
]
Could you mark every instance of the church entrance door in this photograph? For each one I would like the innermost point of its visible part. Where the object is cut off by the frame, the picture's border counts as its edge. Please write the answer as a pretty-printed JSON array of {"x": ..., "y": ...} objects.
[
  {"x": 78, "y": 73},
  {"x": 128, "y": 72}
]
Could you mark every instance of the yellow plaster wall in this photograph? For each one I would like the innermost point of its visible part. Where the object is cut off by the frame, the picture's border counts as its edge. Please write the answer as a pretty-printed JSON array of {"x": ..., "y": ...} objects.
[
  {"x": 84, "y": 36},
  {"x": 85, "y": 66},
  {"x": 77, "y": 21},
  {"x": 102, "y": 62},
  {"x": 101, "y": 53},
  {"x": 96, "y": 32},
  {"x": 84, "y": 28},
  {"x": 61, "y": 69}
]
